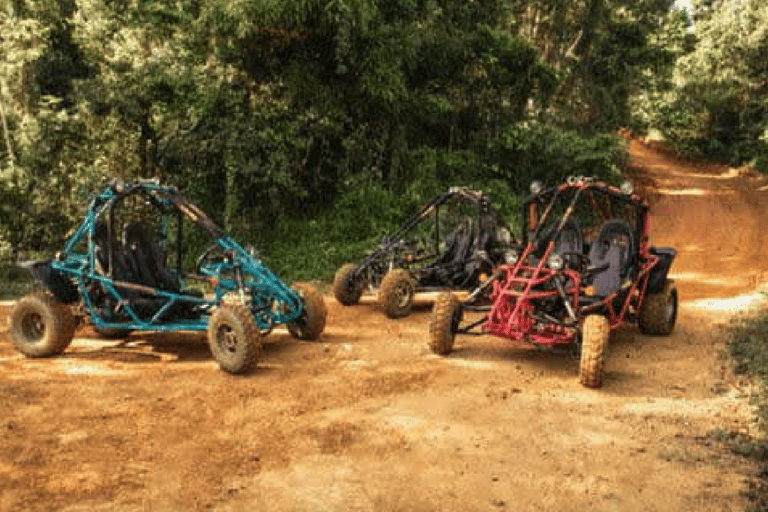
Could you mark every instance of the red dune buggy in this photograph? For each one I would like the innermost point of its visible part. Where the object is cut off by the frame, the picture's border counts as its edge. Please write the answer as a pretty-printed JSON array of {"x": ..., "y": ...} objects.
[{"x": 585, "y": 268}]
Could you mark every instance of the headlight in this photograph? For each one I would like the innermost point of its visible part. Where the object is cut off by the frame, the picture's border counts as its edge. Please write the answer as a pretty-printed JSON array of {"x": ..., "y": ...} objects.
[
  {"x": 536, "y": 187},
  {"x": 555, "y": 262},
  {"x": 510, "y": 257},
  {"x": 504, "y": 236},
  {"x": 628, "y": 188}
]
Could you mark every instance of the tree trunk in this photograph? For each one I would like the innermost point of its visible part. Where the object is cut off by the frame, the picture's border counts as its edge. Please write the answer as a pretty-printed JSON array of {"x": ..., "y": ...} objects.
[
  {"x": 6, "y": 135},
  {"x": 580, "y": 48}
]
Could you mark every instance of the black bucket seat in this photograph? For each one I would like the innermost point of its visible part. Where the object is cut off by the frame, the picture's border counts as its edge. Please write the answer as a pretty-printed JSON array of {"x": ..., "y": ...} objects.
[{"x": 610, "y": 256}]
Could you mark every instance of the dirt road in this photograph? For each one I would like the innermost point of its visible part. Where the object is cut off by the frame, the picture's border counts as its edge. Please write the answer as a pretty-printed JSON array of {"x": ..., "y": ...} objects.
[{"x": 368, "y": 420}]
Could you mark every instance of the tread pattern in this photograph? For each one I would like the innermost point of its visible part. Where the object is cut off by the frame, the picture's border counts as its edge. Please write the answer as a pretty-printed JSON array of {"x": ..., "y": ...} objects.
[
  {"x": 441, "y": 324},
  {"x": 312, "y": 323},
  {"x": 394, "y": 286},
  {"x": 595, "y": 334},
  {"x": 344, "y": 289},
  {"x": 654, "y": 317},
  {"x": 56, "y": 319},
  {"x": 245, "y": 347}
]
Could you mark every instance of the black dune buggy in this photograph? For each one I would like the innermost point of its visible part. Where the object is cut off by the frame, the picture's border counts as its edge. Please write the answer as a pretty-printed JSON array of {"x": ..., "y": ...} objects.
[
  {"x": 584, "y": 268},
  {"x": 451, "y": 243},
  {"x": 129, "y": 267}
]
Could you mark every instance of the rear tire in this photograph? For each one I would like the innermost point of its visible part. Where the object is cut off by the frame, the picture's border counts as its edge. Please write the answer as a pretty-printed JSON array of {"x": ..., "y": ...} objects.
[
  {"x": 595, "y": 334},
  {"x": 658, "y": 313},
  {"x": 310, "y": 325},
  {"x": 396, "y": 293},
  {"x": 346, "y": 289},
  {"x": 41, "y": 326},
  {"x": 233, "y": 338},
  {"x": 446, "y": 315}
]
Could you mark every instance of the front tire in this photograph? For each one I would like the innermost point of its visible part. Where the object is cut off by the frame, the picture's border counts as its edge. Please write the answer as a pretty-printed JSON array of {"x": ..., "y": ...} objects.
[
  {"x": 346, "y": 288},
  {"x": 233, "y": 338},
  {"x": 595, "y": 334},
  {"x": 41, "y": 326},
  {"x": 446, "y": 315},
  {"x": 310, "y": 325},
  {"x": 396, "y": 293},
  {"x": 658, "y": 313}
]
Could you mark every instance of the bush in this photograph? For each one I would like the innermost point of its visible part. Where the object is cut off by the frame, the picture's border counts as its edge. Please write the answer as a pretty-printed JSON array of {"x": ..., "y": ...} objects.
[
  {"x": 302, "y": 249},
  {"x": 541, "y": 151}
]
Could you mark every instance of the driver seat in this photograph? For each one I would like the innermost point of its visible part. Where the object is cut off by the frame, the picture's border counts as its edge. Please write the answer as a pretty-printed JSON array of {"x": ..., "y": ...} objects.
[
  {"x": 609, "y": 255},
  {"x": 569, "y": 243},
  {"x": 147, "y": 260},
  {"x": 453, "y": 267}
]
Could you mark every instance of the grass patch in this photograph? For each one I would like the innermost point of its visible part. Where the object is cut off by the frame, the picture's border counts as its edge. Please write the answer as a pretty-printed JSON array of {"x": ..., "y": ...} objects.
[
  {"x": 748, "y": 348},
  {"x": 743, "y": 445}
]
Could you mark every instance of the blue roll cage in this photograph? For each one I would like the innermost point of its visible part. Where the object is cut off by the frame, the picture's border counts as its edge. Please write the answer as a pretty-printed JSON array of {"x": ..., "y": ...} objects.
[{"x": 269, "y": 299}]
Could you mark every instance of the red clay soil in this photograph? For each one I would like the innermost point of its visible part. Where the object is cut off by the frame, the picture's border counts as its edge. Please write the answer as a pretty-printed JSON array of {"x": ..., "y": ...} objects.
[{"x": 367, "y": 419}]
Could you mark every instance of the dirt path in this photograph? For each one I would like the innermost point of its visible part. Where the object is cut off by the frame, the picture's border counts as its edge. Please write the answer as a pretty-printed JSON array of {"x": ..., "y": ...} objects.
[{"x": 368, "y": 420}]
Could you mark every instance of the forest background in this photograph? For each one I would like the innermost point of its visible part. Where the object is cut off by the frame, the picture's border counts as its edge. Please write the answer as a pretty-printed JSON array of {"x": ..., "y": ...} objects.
[{"x": 311, "y": 128}]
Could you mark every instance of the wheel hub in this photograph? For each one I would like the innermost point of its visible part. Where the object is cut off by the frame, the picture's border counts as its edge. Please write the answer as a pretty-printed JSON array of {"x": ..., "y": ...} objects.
[
  {"x": 227, "y": 339},
  {"x": 403, "y": 296},
  {"x": 33, "y": 326}
]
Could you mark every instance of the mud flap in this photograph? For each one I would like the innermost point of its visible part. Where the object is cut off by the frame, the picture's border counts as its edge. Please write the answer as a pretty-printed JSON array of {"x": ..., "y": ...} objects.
[
  {"x": 62, "y": 288},
  {"x": 659, "y": 272}
]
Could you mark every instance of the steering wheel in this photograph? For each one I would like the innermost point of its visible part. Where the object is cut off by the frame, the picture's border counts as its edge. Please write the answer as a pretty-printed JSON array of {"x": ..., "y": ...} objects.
[{"x": 213, "y": 254}]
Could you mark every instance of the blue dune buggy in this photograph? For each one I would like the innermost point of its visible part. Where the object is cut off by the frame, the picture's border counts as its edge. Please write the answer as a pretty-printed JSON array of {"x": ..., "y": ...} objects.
[{"x": 129, "y": 266}]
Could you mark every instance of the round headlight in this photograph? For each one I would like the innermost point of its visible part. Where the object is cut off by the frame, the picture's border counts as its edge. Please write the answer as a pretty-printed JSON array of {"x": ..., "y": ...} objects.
[
  {"x": 627, "y": 188},
  {"x": 555, "y": 262},
  {"x": 536, "y": 187},
  {"x": 504, "y": 236},
  {"x": 510, "y": 257}
]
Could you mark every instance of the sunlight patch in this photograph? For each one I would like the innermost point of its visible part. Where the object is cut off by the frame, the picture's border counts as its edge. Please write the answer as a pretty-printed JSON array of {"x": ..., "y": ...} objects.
[
  {"x": 731, "y": 173},
  {"x": 701, "y": 278},
  {"x": 77, "y": 368},
  {"x": 689, "y": 408},
  {"x": 478, "y": 365},
  {"x": 732, "y": 305},
  {"x": 700, "y": 192}
]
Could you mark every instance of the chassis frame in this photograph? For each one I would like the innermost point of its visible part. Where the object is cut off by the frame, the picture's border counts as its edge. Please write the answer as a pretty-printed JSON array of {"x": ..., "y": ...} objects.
[
  {"x": 89, "y": 283},
  {"x": 396, "y": 272},
  {"x": 539, "y": 298}
]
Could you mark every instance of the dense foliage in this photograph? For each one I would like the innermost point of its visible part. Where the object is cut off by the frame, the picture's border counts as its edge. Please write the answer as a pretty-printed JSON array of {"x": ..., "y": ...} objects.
[
  {"x": 715, "y": 103},
  {"x": 303, "y": 122}
]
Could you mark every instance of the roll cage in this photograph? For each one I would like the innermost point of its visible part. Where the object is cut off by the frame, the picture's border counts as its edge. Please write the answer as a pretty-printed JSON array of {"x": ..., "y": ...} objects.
[
  {"x": 89, "y": 270},
  {"x": 556, "y": 278},
  {"x": 440, "y": 260}
]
